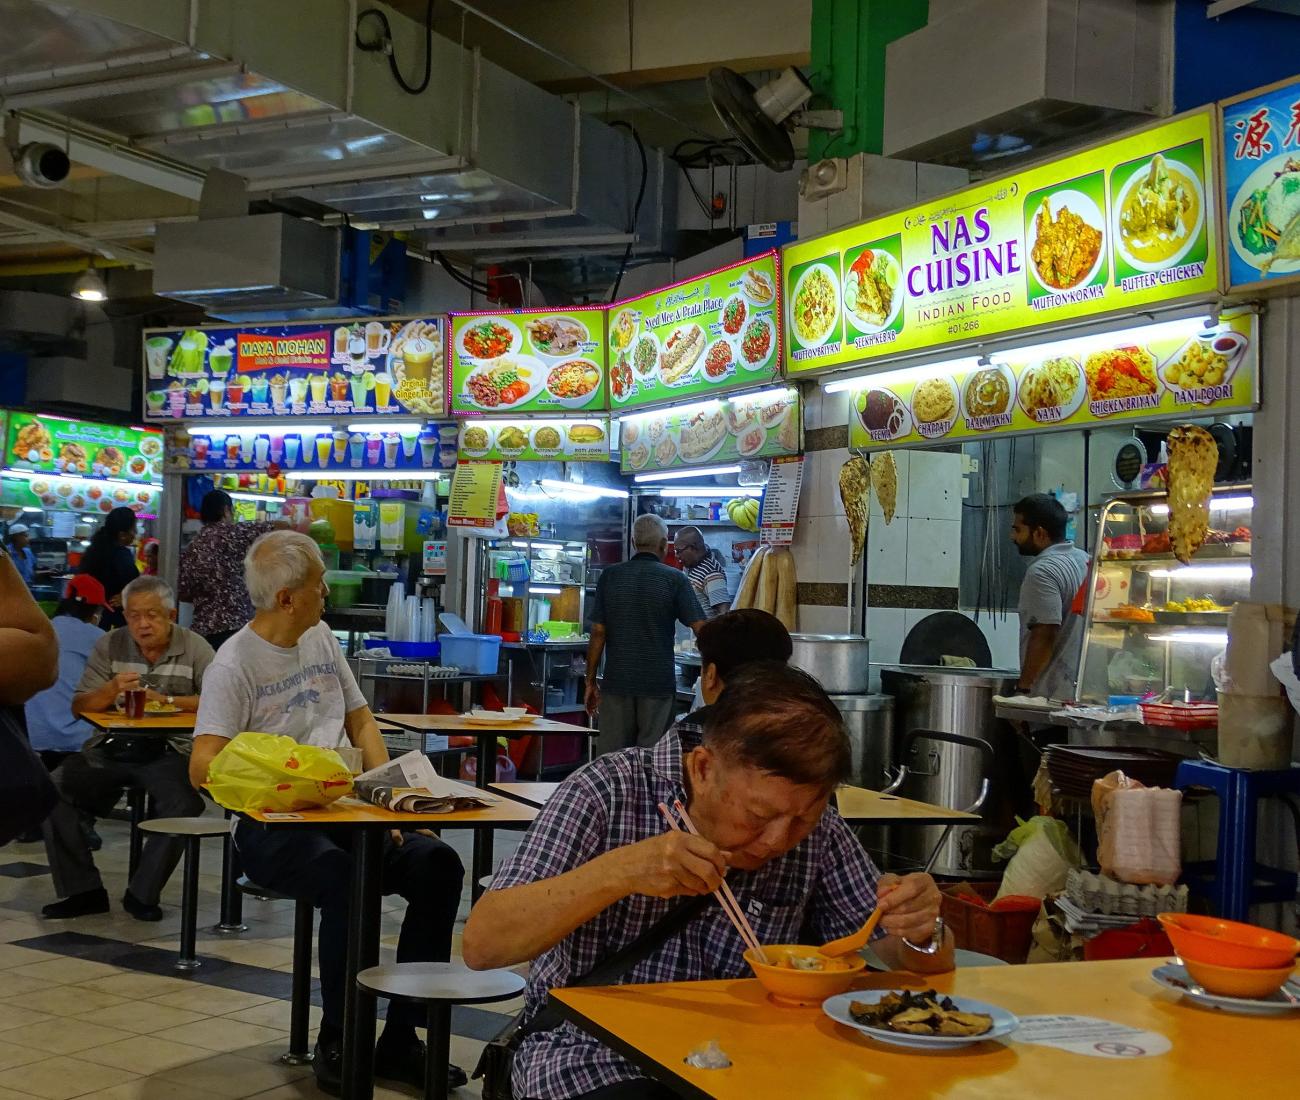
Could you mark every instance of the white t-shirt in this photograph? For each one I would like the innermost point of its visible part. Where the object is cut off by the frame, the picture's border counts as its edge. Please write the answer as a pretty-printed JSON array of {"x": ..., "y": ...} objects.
[{"x": 302, "y": 692}]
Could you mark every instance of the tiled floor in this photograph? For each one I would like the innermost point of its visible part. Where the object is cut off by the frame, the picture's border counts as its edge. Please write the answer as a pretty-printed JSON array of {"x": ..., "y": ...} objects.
[{"x": 91, "y": 1008}]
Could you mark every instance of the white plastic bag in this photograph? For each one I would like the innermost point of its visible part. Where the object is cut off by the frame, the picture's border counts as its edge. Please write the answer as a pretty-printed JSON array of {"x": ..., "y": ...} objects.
[{"x": 1042, "y": 851}]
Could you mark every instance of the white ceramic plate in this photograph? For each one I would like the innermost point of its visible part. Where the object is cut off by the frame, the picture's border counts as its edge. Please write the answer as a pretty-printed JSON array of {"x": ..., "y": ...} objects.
[
  {"x": 837, "y": 1008},
  {"x": 1117, "y": 209},
  {"x": 1176, "y": 979}
]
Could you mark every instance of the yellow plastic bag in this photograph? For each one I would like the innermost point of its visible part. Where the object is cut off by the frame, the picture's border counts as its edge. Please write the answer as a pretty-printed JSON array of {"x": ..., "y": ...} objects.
[{"x": 268, "y": 772}]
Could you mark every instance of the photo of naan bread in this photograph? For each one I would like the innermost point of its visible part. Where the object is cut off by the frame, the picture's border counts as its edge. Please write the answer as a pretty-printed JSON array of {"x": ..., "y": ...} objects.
[
  {"x": 1193, "y": 456},
  {"x": 855, "y": 495},
  {"x": 884, "y": 483}
]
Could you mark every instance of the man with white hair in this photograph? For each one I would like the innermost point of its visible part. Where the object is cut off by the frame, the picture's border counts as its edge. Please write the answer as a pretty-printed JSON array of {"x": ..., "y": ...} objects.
[
  {"x": 284, "y": 673},
  {"x": 634, "y": 618},
  {"x": 169, "y": 662}
]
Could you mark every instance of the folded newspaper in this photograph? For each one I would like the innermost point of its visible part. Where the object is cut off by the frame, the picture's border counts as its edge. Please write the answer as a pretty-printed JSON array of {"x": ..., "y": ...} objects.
[{"x": 409, "y": 785}]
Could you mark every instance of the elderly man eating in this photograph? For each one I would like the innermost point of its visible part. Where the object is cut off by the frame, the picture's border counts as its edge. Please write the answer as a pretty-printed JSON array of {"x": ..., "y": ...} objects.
[
  {"x": 284, "y": 673},
  {"x": 169, "y": 662},
  {"x": 597, "y": 868}
]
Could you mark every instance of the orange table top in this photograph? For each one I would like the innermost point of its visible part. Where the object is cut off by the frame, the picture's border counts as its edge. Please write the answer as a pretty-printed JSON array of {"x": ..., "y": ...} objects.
[
  {"x": 1212, "y": 1054},
  {"x": 350, "y": 811},
  {"x": 535, "y": 794},
  {"x": 857, "y": 805},
  {"x": 111, "y": 721},
  {"x": 459, "y": 724}
]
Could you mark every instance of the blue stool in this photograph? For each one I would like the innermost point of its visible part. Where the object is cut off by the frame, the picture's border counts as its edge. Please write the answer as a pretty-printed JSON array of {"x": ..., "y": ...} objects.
[{"x": 1233, "y": 881}]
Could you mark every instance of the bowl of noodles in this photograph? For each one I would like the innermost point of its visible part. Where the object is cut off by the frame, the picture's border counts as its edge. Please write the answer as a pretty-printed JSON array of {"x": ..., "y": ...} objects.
[
  {"x": 815, "y": 306},
  {"x": 797, "y": 974}
]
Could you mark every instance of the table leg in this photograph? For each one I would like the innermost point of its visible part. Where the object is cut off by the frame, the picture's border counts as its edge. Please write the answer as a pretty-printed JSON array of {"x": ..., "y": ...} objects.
[
  {"x": 481, "y": 861},
  {"x": 438, "y": 1056},
  {"x": 189, "y": 906},
  {"x": 485, "y": 770},
  {"x": 363, "y": 952},
  {"x": 231, "y": 922}
]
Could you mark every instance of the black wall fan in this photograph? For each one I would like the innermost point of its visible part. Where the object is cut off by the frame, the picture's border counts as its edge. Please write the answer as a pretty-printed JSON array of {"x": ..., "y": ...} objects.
[{"x": 759, "y": 118}]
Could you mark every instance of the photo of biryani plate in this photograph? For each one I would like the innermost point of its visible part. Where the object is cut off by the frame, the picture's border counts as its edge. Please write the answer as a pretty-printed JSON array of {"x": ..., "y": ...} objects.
[
  {"x": 1129, "y": 371},
  {"x": 934, "y": 401},
  {"x": 1051, "y": 390}
]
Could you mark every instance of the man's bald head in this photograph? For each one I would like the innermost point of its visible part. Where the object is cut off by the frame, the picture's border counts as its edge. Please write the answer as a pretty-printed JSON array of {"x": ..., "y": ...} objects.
[{"x": 689, "y": 546}]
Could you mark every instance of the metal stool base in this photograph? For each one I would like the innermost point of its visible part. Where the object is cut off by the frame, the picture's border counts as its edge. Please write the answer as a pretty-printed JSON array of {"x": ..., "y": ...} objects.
[
  {"x": 228, "y": 929},
  {"x": 292, "y": 1059},
  {"x": 187, "y": 964}
]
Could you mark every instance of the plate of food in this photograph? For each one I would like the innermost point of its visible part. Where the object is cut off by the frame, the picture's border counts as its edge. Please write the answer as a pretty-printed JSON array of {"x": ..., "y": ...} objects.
[
  {"x": 757, "y": 342},
  {"x": 489, "y": 338},
  {"x": 735, "y": 312},
  {"x": 681, "y": 351},
  {"x": 638, "y": 455},
  {"x": 1264, "y": 218},
  {"x": 505, "y": 382},
  {"x": 623, "y": 329},
  {"x": 476, "y": 440},
  {"x": 645, "y": 355},
  {"x": 934, "y": 406},
  {"x": 150, "y": 446},
  {"x": 751, "y": 441},
  {"x": 512, "y": 440},
  {"x": 621, "y": 383},
  {"x": 665, "y": 451},
  {"x": 815, "y": 306},
  {"x": 1114, "y": 373},
  {"x": 920, "y": 1019},
  {"x": 775, "y": 409},
  {"x": 719, "y": 361},
  {"x": 585, "y": 435},
  {"x": 574, "y": 383},
  {"x": 137, "y": 466},
  {"x": 1207, "y": 359},
  {"x": 702, "y": 435},
  {"x": 510, "y": 716},
  {"x": 883, "y": 415},
  {"x": 153, "y": 708},
  {"x": 557, "y": 337},
  {"x": 989, "y": 392},
  {"x": 1052, "y": 391},
  {"x": 741, "y": 414},
  {"x": 415, "y": 362},
  {"x": 871, "y": 290},
  {"x": 1065, "y": 240},
  {"x": 1158, "y": 214},
  {"x": 758, "y": 287}
]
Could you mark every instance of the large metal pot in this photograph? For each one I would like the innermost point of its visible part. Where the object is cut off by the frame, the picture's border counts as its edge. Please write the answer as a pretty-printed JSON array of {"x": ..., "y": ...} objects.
[
  {"x": 869, "y": 720},
  {"x": 841, "y": 662}
]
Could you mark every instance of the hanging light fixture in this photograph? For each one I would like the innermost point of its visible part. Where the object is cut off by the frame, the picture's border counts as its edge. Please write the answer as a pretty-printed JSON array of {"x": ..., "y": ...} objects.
[{"x": 89, "y": 287}]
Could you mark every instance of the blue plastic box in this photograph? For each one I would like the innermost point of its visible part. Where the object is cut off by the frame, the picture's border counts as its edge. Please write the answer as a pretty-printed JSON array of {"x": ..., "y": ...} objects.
[
  {"x": 423, "y": 651},
  {"x": 475, "y": 654}
]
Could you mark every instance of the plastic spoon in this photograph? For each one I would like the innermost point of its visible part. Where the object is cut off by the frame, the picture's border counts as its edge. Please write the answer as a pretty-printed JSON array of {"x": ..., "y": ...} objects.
[{"x": 848, "y": 944}]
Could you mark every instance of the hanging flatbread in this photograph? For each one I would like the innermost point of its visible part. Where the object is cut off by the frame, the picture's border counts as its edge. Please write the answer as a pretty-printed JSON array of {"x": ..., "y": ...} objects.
[
  {"x": 855, "y": 494},
  {"x": 1193, "y": 456},
  {"x": 884, "y": 483}
]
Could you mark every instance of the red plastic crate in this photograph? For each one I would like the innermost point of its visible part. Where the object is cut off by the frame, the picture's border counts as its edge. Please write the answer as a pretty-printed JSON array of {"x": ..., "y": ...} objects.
[{"x": 1181, "y": 716}]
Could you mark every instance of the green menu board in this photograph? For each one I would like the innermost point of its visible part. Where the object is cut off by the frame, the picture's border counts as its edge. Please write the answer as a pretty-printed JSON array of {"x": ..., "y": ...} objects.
[
  {"x": 79, "y": 448},
  {"x": 697, "y": 338},
  {"x": 550, "y": 361}
]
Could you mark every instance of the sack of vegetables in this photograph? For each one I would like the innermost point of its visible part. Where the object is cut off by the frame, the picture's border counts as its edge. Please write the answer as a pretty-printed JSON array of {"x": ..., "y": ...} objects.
[{"x": 267, "y": 772}]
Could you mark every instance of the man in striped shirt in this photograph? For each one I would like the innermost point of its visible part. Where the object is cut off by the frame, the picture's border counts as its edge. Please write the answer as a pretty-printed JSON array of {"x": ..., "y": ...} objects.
[{"x": 705, "y": 569}]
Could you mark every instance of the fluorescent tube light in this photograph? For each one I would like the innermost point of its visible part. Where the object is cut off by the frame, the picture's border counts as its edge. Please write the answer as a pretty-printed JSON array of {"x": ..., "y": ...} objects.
[
  {"x": 579, "y": 489},
  {"x": 677, "y": 475}
]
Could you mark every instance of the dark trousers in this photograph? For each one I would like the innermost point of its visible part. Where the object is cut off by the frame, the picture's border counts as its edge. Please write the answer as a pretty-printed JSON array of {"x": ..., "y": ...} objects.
[
  {"x": 316, "y": 864},
  {"x": 641, "y": 1089}
]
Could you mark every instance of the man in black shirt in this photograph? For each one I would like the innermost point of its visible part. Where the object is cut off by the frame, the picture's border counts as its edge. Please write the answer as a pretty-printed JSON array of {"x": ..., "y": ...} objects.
[{"x": 637, "y": 606}]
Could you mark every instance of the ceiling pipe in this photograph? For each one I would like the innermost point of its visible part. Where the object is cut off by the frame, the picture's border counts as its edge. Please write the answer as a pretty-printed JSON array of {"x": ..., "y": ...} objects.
[{"x": 78, "y": 240}]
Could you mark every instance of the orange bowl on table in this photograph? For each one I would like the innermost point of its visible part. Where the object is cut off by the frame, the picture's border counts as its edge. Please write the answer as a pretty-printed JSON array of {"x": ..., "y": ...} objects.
[
  {"x": 1228, "y": 943},
  {"x": 1238, "y": 981},
  {"x": 803, "y": 987}
]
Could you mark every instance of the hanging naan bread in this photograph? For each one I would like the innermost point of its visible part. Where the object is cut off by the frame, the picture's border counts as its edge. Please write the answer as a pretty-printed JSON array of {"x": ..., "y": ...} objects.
[
  {"x": 1193, "y": 456},
  {"x": 884, "y": 483},
  {"x": 855, "y": 493}
]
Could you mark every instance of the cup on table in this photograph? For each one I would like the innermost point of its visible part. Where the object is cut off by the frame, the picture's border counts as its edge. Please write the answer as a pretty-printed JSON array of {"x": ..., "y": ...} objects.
[
  {"x": 352, "y": 758},
  {"x": 133, "y": 702}
]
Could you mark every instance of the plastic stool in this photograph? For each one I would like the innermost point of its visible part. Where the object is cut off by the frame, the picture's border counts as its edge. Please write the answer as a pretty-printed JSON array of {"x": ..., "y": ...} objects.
[
  {"x": 438, "y": 986},
  {"x": 299, "y": 1052},
  {"x": 191, "y": 830},
  {"x": 1233, "y": 881}
]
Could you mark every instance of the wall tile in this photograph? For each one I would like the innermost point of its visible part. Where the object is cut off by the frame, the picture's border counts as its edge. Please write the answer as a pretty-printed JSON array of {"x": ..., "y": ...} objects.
[
  {"x": 887, "y": 551},
  {"x": 933, "y": 552},
  {"x": 821, "y": 483},
  {"x": 822, "y": 620},
  {"x": 934, "y": 486},
  {"x": 886, "y": 627}
]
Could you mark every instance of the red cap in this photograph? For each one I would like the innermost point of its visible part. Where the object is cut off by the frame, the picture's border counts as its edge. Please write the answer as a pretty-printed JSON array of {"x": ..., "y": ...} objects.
[{"x": 86, "y": 589}]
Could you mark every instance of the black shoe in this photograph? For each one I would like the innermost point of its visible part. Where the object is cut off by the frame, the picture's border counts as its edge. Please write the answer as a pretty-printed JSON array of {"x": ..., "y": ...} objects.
[
  {"x": 31, "y": 836},
  {"x": 78, "y": 905},
  {"x": 139, "y": 909},
  {"x": 327, "y": 1065},
  {"x": 406, "y": 1064}
]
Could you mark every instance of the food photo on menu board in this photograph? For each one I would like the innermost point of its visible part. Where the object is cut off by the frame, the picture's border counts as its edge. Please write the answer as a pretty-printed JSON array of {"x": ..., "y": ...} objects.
[
  {"x": 709, "y": 334},
  {"x": 243, "y": 448},
  {"x": 759, "y": 425},
  {"x": 536, "y": 440},
  {"x": 385, "y": 366},
  {"x": 1125, "y": 224},
  {"x": 1196, "y": 364},
  {"x": 550, "y": 361}
]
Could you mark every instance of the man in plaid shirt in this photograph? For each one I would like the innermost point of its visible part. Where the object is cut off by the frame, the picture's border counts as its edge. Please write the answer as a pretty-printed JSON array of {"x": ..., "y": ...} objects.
[{"x": 599, "y": 867}]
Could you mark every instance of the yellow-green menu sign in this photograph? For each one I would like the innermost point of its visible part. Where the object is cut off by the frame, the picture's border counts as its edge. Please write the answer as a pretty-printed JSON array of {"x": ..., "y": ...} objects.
[{"x": 1116, "y": 227}]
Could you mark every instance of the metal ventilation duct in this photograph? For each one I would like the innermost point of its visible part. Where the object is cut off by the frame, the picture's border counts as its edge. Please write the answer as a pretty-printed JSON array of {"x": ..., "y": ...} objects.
[{"x": 278, "y": 94}]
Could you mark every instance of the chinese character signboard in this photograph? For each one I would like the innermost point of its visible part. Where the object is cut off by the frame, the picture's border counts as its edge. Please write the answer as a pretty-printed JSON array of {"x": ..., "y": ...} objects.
[
  {"x": 390, "y": 366},
  {"x": 1261, "y": 176},
  {"x": 1127, "y": 224}
]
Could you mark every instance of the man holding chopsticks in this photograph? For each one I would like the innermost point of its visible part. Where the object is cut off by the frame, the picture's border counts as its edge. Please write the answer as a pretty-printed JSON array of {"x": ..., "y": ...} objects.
[{"x": 755, "y": 772}]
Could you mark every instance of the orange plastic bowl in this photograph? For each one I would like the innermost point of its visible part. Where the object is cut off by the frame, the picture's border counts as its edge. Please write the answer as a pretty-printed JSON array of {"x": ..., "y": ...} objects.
[
  {"x": 802, "y": 987},
  {"x": 1234, "y": 981},
  {"x": 1228, "y": 943}
]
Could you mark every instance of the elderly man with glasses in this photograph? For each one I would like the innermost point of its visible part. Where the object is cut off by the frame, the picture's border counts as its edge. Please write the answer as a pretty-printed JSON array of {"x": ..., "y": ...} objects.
[{"x": 168, "y": 661}]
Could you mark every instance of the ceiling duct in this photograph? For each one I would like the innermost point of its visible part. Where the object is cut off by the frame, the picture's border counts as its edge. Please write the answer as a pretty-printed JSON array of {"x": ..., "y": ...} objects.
[
  {"x": 278, "y": 94},
  {"x": 1020, "y": 76}
]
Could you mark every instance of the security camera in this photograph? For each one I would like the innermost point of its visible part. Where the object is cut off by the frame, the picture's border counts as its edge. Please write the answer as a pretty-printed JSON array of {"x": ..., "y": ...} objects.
[{"x": 39, "y": 164}]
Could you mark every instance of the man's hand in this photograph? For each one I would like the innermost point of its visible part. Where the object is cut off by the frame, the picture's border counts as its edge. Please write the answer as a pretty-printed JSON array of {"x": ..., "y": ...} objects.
[
  {"x": 672, "y": 864},
  {"x": 399, "y": 839},
  {"x": 115, "y": 602},
  {"x": 910, "y": 906},
  {"x": 125, "y": 681},
  {"x": 592, "y": 698}
]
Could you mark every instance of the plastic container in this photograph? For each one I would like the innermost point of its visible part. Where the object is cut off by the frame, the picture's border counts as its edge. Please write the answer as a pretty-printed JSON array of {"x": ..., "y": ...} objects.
[
  {"x": 1255, "y": 731},
  {"x": 424, "y": 651},
  {"x": 339, "y": 515},
  {"x": 345, "y": 588},
  {"x": 1004, "y": 933},
  {"x": 474, "y": 654},
  {"x": 1181, "y": 716}
]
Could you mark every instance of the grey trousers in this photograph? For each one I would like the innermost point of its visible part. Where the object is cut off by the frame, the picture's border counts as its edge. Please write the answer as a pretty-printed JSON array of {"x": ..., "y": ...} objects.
[
  {"x": 628, "y": 720},
  {"x": 89, "y": 780}
]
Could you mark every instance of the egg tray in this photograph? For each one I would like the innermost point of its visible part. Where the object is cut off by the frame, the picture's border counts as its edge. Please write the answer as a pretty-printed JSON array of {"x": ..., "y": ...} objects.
[{"x": 1094, "y": 893}]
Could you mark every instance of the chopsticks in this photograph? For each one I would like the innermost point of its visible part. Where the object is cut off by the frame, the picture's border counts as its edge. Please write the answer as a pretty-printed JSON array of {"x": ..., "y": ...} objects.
[{"x": 725, "y": 897}]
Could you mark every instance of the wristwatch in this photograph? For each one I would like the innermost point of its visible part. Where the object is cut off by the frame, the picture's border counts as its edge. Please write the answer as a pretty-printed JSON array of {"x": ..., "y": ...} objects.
[
  {"x": 936, "y": 940},
  {"x": 171, "y": 700}
]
